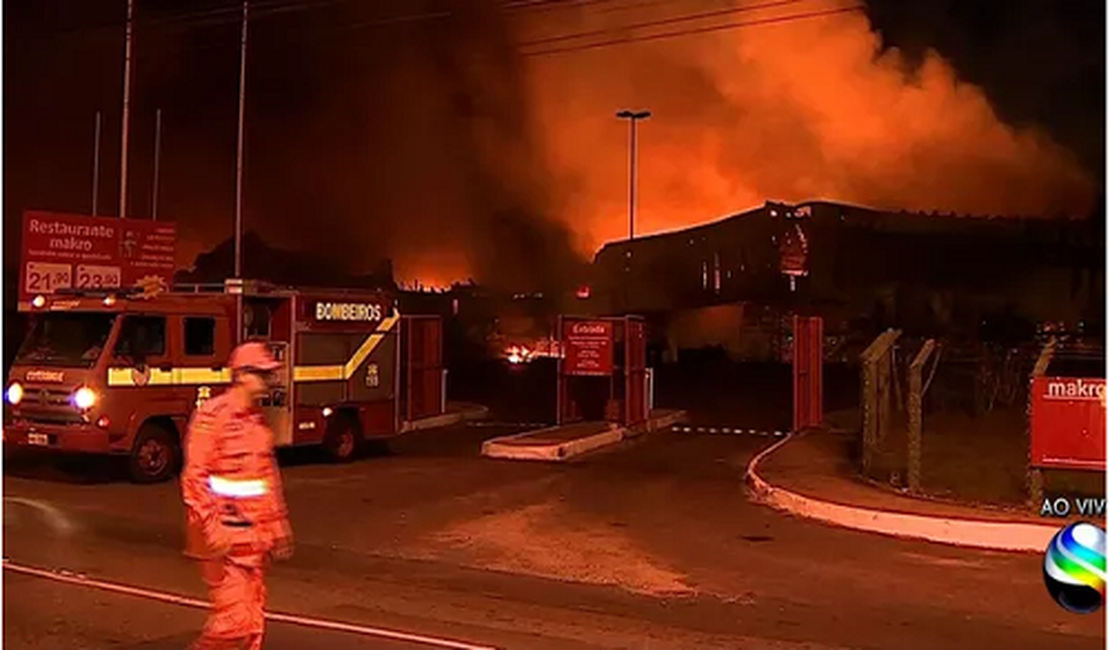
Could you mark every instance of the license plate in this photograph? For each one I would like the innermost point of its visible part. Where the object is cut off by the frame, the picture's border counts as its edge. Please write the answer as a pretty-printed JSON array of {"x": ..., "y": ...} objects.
[{"x": 39, "y": 439}]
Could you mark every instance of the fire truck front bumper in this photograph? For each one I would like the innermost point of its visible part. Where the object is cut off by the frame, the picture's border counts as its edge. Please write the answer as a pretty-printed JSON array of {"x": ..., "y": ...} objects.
[{"x": 62, "y": 438}]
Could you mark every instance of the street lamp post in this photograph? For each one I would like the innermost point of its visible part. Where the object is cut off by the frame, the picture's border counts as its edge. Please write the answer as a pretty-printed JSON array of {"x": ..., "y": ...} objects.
[
  {"x": 239, "y": 142},
  {"x": 633, "y": 117},
  {"x": 125, "y": 127}
]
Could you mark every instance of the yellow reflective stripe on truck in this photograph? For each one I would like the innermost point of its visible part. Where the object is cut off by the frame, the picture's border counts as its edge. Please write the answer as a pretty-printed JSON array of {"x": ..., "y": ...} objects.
[
  {"x": 346, "y": 371},
  {"x": 172, "y": 377},
  {"x": 202, "y": 376}
]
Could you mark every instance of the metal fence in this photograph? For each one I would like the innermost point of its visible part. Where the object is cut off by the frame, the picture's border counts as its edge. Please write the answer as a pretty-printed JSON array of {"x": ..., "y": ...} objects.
[{"x": 946, "y": 417}]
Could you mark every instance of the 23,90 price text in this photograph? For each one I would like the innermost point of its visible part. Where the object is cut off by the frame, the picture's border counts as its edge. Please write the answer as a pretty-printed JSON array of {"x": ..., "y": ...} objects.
[{"x": 97, "y": 277}]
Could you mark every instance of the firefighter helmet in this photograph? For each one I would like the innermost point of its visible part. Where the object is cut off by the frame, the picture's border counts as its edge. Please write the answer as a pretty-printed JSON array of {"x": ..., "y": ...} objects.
[{"x": 253, "y": 355}]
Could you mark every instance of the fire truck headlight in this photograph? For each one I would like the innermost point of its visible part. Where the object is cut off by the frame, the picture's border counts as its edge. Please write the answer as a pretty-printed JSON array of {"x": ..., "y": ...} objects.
[
  {"x": 38, "y": 302},
  {"x": 84, "y": 398},
  {"x": 14, "y": 393}
]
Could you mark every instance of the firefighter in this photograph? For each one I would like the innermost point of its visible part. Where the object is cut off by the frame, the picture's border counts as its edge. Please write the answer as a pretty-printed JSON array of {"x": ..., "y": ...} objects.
[{"x": 235, "y": 509}]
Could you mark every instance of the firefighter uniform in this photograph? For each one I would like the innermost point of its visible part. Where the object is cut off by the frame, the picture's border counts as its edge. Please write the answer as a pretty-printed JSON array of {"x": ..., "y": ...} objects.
[{"x": 235, "y": 509}]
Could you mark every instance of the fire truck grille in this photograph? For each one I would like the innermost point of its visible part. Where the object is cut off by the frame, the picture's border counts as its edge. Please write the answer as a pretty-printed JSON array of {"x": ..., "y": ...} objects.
[
  {"x": 48, "y": 406},
  {"x": 52, "y": 417},
  {"x": 45, "y": 397}
]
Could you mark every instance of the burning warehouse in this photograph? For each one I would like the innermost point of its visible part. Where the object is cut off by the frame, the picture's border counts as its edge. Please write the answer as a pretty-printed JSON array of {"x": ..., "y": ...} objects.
[{"x": 870, "y": 268}]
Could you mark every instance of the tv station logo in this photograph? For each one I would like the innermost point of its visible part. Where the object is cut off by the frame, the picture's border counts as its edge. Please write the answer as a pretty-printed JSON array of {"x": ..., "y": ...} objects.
[
  {"x": 1062, "y": 507},
  {"x": 1074, "y": 568}
]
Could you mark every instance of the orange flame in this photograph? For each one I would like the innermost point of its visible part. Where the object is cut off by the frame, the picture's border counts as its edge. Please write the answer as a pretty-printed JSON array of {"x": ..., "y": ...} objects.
[{"x": 806, "y": 109}]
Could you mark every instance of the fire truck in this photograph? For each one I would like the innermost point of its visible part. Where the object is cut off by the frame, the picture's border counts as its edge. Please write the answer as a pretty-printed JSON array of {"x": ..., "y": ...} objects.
[{"x": 119, "y": 372}]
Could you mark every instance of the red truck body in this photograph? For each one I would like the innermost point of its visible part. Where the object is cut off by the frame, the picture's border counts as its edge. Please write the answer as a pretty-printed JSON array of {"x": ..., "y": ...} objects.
[{"x": 119, "y": 373}]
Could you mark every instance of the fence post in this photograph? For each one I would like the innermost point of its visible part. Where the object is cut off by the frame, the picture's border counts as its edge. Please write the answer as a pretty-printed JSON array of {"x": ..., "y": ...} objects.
[
  {"x": 873, "y": 390},
  {"x": 1034, "y": 477},
  {"x": 443, "y": 393},
  {"x": 916, "y": 418}
]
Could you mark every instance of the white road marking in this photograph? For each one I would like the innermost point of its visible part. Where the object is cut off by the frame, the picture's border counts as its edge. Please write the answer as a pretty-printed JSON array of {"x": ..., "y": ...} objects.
[
  {"x": 293, "y": 619},
  {"x": 729, "y": 430},
  {"x": 54, "y": 517},
  {"x": 506, "y": 425}
]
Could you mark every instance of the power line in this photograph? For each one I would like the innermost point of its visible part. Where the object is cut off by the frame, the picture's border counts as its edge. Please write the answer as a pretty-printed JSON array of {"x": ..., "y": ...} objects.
[
  {"x": 693, "y": 31},
  {"x": 665, "y": 21},
  {"x": 231, "y": 14},
  {"x": 216, "y": 16},
  {"x": 631, "y": 39},
  {"x": 546, "y": 6}
]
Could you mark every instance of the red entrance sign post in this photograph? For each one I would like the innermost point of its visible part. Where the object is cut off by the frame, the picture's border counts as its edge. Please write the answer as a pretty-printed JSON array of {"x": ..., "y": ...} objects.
[
  {"x": 598, "y": 348},
  {"x": 635, "y": 371},
  {"x": 808, "y": 359}
]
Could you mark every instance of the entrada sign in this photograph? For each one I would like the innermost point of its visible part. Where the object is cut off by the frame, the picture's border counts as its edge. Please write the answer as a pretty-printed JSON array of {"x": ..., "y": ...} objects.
[
  {"x": 588, "y": 347},
  {"x": 348, "y": 311},
  {"x": 588, "y": 328}
]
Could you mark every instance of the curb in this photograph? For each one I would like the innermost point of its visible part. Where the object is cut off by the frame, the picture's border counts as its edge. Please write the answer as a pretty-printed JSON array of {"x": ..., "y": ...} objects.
[
  {"x": 504, "y": 448},
  {"x": 955, "y": 531},
  {"x": 446, "y": 419}
]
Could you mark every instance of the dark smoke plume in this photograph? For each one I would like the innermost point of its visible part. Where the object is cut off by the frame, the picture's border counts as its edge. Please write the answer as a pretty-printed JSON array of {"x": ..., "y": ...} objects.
[{"x": 415, "y": 142}]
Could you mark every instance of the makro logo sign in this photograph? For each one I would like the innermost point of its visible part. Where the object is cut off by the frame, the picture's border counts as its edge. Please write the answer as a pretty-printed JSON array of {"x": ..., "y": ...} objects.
[
  {"x": 589, "y": 329},
  {"x": 348, "y": 311},
  {"x": 1077, "y": 389}
]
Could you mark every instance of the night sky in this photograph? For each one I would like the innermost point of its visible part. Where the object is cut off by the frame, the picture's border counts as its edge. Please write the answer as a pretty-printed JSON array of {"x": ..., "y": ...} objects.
[{"x": 417, "y": 129}]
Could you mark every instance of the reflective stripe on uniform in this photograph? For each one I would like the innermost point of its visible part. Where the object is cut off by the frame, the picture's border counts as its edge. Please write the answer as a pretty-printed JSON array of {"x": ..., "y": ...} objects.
[{"x": 238, "y": 488}]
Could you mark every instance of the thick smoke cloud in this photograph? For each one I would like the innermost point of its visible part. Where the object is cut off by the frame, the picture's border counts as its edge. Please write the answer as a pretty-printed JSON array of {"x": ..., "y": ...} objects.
[
  {"x": 418, "y": 144},
  {"x": 438, "y": 141},
  {"x": 806, "y": 109}
]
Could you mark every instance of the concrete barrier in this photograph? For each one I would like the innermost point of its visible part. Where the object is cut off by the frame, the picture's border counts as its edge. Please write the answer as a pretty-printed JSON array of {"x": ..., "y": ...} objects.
[{"x": 530, "y": 445}]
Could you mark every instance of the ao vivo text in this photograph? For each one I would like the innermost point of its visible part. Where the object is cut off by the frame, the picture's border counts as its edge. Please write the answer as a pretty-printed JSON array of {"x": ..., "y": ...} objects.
[{"x": 1066, "y": 507}]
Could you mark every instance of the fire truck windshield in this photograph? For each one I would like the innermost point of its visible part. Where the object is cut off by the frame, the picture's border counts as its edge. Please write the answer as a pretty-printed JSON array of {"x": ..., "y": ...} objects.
[{"x": 73, "y": 340}]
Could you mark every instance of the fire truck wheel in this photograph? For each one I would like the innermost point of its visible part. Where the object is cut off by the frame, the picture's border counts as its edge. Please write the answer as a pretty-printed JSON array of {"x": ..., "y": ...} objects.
[
  {"x": 343, "y": 439},
  {"x": 155, "y": 456}
]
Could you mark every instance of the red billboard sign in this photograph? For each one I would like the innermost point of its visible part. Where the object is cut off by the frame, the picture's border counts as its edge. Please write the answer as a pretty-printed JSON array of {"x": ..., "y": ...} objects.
[
  {"x": 587, "y": 347},
  {"x": 1068, "y": 423},
  {"x": 65, "y": 251}
]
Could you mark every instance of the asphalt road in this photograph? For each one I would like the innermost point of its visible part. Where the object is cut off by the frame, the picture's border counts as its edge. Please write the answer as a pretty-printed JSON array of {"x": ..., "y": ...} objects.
[
  {"x": 650, "y": 545},
  {"x": 40, "y": 614}
]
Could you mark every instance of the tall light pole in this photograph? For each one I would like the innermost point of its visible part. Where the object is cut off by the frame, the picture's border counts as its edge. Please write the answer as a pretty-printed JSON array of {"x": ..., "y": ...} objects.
[
  {"x": 96, "y": 168},
  {"x": 125, "y": 128},
  {"x": 239, "y": 143},
  {"x": 633, "y": 117},
  {"x": 157, "y": 163}
]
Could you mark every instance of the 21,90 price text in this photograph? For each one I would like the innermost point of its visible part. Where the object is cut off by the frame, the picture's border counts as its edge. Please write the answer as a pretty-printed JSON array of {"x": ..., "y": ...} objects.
[{"x": 43, "y": 277}]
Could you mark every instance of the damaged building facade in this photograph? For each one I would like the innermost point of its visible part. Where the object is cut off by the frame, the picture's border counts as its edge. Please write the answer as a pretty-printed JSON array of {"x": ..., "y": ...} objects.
[{"x": 733, "y": 283}]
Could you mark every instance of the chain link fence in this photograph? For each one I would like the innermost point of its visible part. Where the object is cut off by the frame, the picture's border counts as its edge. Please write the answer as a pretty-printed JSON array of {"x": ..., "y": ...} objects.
[{"x": 946, "y": 417}]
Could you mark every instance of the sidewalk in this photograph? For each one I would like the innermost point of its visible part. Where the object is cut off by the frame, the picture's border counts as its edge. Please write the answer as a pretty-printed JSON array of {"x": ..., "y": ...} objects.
[
  {"x": 456, "y": 412},
  {"x": 566, "y": 442},
  {"x": 811, "y": 475}
]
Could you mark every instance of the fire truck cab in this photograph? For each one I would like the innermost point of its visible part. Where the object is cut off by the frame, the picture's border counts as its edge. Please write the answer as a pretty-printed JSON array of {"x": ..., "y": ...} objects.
[{"x": 120, "y": 372}]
